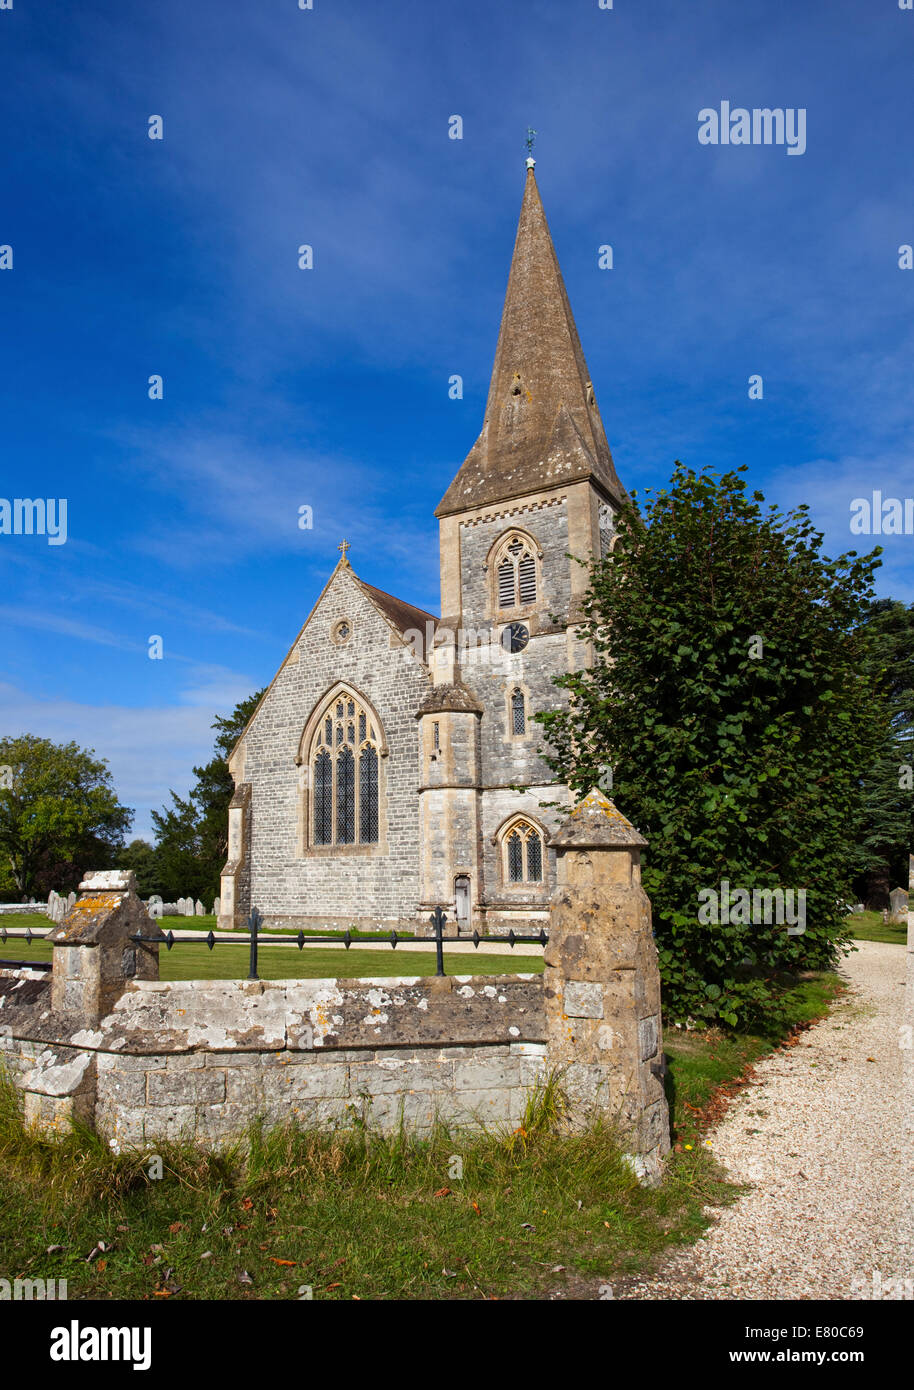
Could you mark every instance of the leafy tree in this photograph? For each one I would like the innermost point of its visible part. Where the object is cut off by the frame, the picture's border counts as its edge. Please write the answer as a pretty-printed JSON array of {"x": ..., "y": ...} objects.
[
  {"x": 886, "y": 833},
  {"x": 140, "y": 856},
  {"x": 192, "y": 833},
  {"x": 59, "y": 815},
  {"x": 731, "y": 707}
]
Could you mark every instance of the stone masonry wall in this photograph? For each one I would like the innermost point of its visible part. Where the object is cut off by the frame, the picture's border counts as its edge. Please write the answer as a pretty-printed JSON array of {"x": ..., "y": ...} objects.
[
  {"x": 205, "y": 1059},
  {"x": 374, "y": 886}
]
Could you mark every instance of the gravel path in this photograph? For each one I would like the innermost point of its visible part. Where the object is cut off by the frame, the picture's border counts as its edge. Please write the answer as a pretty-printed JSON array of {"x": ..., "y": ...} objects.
[{"x": 825, "y": 1141}]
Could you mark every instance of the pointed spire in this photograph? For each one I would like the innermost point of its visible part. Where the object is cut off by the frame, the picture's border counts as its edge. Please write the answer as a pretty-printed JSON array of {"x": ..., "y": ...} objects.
[{"x": 542, "y": 427}]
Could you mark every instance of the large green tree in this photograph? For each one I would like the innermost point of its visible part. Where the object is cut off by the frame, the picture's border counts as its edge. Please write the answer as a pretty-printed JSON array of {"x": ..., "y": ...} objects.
[
  {"x": 886, "y": 833},
  {"x": 731, "y": 708},
  {"x": 59, "y": 814},
  {"x": 192, "y": 833}
]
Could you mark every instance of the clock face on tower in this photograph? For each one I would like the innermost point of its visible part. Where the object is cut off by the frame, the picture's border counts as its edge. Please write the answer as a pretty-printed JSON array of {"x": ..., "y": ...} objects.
[{"x": 515, "y": 637}]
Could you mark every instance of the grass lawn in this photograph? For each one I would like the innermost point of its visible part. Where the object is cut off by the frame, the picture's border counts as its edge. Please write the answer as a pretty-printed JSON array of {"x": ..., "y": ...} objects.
[
  {"x": 357, "y": 1216},
  {"x": 227, "y": 961},
  {"x": 869, "y": 926}
]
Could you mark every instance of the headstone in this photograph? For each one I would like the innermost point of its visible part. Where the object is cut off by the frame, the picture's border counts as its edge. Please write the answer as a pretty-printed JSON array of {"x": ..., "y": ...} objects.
[
  {"x": 71, "y": 902},
  {"x": 155, "y": 906},
  {"x": 858, "y": 907},
  {"x": 199, "y": 909},
  {"x": 898, "y": 905},
  {"x": 217, "y": 907},
  {"x": 182, "y": 908},
  {"x": 188, "y": 907}
]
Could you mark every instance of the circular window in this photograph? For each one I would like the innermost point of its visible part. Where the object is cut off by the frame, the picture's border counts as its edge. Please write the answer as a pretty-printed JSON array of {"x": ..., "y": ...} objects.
[{"x": 342, "y": 631}]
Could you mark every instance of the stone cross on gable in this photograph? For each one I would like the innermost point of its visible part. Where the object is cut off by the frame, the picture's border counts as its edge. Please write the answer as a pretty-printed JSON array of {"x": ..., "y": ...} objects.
[{"x": 343, "y": 547}]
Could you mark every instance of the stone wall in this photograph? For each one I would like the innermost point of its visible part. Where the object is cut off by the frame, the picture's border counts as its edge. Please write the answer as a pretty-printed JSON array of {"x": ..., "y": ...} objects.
[
  {"x": 204, "y": 1059},
  {"x": 101, "y": 1039},
  {"x": 373, "y": 886}
]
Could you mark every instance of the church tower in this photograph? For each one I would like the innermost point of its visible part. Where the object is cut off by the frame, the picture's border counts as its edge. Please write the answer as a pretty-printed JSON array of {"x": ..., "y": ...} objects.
[{"x": 538, "y": 484}]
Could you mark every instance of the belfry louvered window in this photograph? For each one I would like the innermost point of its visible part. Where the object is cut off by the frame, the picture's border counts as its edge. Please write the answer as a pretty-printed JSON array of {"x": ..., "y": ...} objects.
[
  {"x": 516, "y": 574},
  {"x": 518, "y": 713},
  {"x": 345, "y": 775},
  {"x": 523, "y": 853}
]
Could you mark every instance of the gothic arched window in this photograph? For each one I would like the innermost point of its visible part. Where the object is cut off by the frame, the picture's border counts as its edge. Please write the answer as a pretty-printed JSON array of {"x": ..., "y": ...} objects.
[
  {"x": 344, "y": 774},
  {"x": 515, "y": 572},
  {"x": 522, "y": 853}
]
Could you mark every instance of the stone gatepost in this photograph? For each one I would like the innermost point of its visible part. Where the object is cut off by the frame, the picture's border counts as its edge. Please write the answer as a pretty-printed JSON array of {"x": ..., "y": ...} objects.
[
  {"x": 94, "y": 960},
  {"x": 95, "y": 957},
  {"x": 602, "y": 984}
]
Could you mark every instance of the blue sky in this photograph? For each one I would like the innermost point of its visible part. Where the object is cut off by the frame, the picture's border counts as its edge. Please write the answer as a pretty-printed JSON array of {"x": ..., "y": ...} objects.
[{"x": 329, "y": 388}]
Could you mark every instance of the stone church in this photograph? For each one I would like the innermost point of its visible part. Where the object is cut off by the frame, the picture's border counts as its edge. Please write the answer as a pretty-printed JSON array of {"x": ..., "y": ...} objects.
[{"x": 394, "y": 764}]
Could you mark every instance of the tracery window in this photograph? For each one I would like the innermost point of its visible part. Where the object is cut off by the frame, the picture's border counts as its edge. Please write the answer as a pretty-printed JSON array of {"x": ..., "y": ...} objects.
[
  {"x": 344, "y": 775},
  {"x": 522, "y": 853},
  {"x": 515, "y": 573}
]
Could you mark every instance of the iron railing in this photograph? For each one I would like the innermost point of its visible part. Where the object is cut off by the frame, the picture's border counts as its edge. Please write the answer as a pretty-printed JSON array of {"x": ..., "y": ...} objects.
[
  {"x": 28, "y": 936},
  {"x": 256, "y": 939}
]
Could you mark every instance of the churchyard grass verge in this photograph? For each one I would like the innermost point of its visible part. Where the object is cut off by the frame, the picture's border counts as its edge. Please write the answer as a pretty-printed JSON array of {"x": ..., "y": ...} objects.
[
  {"x": 533, "y": 1213},
  {"x": 869, "y": 926}
]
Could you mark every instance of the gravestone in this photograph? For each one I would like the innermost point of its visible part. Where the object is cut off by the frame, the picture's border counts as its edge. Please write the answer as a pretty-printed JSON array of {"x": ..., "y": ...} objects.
[
  {"x": 898, "y": 905},
  {"x": 199, "y": 909},
  {"x": 216, "y": 907}
]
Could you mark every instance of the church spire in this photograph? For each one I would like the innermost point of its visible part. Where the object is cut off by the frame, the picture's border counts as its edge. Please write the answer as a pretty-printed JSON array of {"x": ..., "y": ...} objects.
[{"x": 542, "y": 427}]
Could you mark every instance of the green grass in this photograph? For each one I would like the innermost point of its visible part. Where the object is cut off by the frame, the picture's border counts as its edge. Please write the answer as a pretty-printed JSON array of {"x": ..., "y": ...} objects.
[
  {"x": 351, "y": 1215},
  {"x": 230, "y": 962},
  {"x": 39, "y": 922},
  {"x": 355, "y": 1215},
  {"x": 869, "y": 926}
]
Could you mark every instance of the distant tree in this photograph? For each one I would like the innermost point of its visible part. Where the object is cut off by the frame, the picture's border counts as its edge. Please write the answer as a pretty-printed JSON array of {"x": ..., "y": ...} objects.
[
  {"x": 59, "y": 816},
  {"x": 886, "y": 833},
  {"x": 192, "y": 833},
  {"x": 140, "y": 856},
  {"x": 731, "y": 707}
]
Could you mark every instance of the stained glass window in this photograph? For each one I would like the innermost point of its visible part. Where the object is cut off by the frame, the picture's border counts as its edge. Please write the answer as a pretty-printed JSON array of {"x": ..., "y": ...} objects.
[
  {"x": 368, "y": 796},
  {"x": 323, "y": 798},
  {"x": 523, "y": 846},
  {"x": 345, "y": 798},
  {"x": 345, "y": 787}
]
